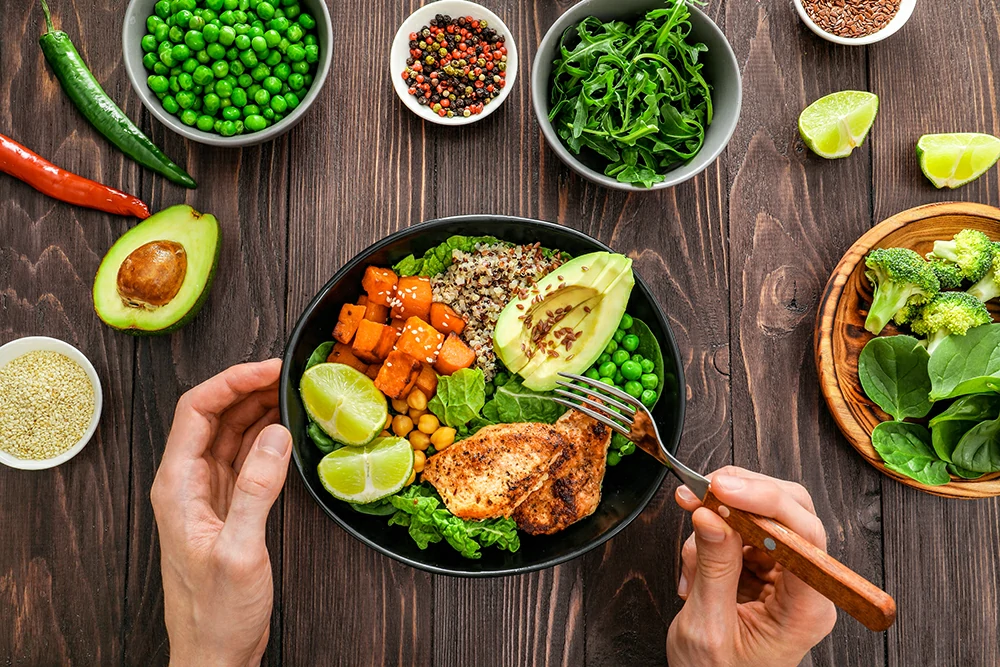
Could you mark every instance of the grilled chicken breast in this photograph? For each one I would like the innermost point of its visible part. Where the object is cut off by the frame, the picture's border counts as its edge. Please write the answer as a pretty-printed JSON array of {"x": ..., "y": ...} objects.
[
  {"x": 573, "y": 488},
  {"x": 491, "y": 473}
]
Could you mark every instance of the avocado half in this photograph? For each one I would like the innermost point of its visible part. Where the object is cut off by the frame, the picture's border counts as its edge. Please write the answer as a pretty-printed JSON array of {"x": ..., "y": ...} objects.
[{"x": 156, "y": 277}]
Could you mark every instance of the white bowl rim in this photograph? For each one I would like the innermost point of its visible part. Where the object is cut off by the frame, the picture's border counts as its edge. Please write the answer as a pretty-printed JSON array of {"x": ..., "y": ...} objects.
[
  {"x": 150, "y": 102},
  {"x": 21, "y": 346},
  {"x": 903, "y": 14},
  {"x": 422, "y": 16}
]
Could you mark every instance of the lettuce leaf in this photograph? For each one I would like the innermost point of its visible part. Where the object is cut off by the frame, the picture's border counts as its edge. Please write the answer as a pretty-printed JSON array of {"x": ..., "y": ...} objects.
[
  {"x": 459, "y": 398},
  {"x": 439, "y": 258},
  {"x": 513, "y": 402}
]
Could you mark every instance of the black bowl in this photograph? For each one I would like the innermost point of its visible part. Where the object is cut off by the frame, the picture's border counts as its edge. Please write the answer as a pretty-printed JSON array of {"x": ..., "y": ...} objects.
[{"x": 628, "y": 487}]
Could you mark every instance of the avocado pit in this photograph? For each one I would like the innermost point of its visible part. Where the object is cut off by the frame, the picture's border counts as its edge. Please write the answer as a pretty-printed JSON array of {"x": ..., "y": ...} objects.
[{"x": 152, "y": 274}]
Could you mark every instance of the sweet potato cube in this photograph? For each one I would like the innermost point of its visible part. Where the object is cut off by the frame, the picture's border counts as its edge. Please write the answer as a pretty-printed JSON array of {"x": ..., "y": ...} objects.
[
  {"x": 387, "y": 342},
  {"x": 397, "y": 323},
  {"x": 427, "y": 381},
  {"x": 376, "y": 312},
  {"x": 445, "y": 319},
  {"x": 363, "y": 300},
  {"x": 420, "y": 340},
  {"x": 373, "y": 370},
  {"x": 347, "y": 323},
  {"x": 366, "y": 341},
  {"x": 398, "y": 374},
  {"x": 342, "y": 354},
  {"x": 380, "y": 284},
  {"x": 455, "y": 355},
  {"x": 413, "y": 298}
]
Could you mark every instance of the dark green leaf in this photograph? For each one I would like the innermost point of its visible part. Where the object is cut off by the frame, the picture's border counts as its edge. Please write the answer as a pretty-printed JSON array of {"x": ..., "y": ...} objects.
[
  {"x": 946, "y": 435},
  {"x": 906, "y": 449},
  {"x": 378, "y": 508},
  {"x": 459, "y": 398},
  {"x": 513, "y": 403},
  {"x": 323, "y": 442},
  {"x": 968, "y": 364},
  {"x": 319, "y": 355},
  {"x": 893, "y": 373},
  {"x": 963, "y": 473},
  {"x": 979, "y": 448},
  {"x": 974, "y": 408}
]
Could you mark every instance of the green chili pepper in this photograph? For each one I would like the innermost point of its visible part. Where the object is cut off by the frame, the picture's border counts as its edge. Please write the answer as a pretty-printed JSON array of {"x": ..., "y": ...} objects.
[{"x": 88, "y": 96}]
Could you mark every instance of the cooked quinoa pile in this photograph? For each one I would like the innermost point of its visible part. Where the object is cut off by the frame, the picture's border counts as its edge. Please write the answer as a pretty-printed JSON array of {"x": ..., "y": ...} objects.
[
  {"x": 480, "y": 283},
  {"x": 46, "y": 404}
]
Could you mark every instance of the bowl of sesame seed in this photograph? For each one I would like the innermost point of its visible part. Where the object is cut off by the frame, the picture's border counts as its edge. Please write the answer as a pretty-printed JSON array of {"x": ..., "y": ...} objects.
[
  {"x": 50, "y": 402},
  {"x": 855, "y": 22}
]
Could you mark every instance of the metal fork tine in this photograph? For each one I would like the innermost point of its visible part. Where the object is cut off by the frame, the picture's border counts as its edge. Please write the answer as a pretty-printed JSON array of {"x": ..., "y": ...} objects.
[
  {"x": 600, "y": 406},
  {"x": 610, "y": 401},
  {"x": 593, "y": 415},
  {"x": 604, "y": 388}
]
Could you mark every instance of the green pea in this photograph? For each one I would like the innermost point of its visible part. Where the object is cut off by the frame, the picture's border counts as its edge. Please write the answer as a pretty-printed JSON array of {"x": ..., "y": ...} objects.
[
  {"x": 649, "y": 381},
  {"x": 218, "y": 126},
  {"x": 228, "y": 128},
  {"x": 158, "y": 84},
  {"x": 216, "y": 51},
  {"x": 162, "y": 33},
  {"x": 292, "y": 100},
  {"x": 232, "y": 53},
  {"x": 149, "y": 60},
  {"x": 214, "y": 5},
  {"x": 260, "y": 72},
  {"x": 633, "y": 389},
  {"x": 167, "y": 58},
  {"x": 294, "y": 33},
  {"x": 170, "y": 104},
  {"x": 631, "y": 342},
  {"x": 296, "y": 81},
  {"x": 301, "y": 67},
  {"x": 309, "y": 40},
  {"x": 251, "y": 110},
  {"x": 252, "y": 90},
  {"x": 619, "y": 378},
  {"x": 245, "y": 80},
  {"x": 258, "y": 44},
  {"x": 185, "y": 99},
  {"x": 148, "y": 43},
  {"x": 262, "y": 97},
  {"x": 238, "y": 97},
  {"x": 231, "y": 4},
  {"x": 231, "y": 113},
  {"x": 236, "y": 68},
  {"x": 185, "y": 81},
  {"x": 612, "y": 346},
  {"x": 242, "y": 42},
  {"x": 273, "y": 58},
  {"x": 607, "y": 380},
  {"x": 614, "y": 458},
  {"x": 162, "y": 8},
  {"x": 648, "y": 398},
  {"x": 604, "y": 358},
  {"x": 293, "y": 12},
  {"x": 307, "y": 21},
  {"x": 228, "y": 18},
  {"x": 272, "y": 85},
  {"x": 182, "y": 17},
  {"x": 223, "y": 89},
  {"x": 210, "y": 33},
  {"x": 285, "y": 89},
  {"x": 265, "y": 10},
  {"x": 257, "y": 123},
  {"x": 626, "y": 322},
  {"x": 205, "y": 123},
  {"x": 174, "y": 86},
  {"x": 619, "y": 357},
  {"x": 210, "y": 17},
  {"x": 190, "y": 65},
  {"x": 241, "y": 17},
  {"x": 296, "y": 53},
  {"x": 175, "y": 34},
  {"x": 202, "y": 57},
  {"x": 196, "y": 23},
  {"x": 256, "y": 30},
  {"x": 283, "y": 45},
  {"x": 631, "y": 370},
  {"x": 212, "y": 102},
  {"x": 607, "y": 369},
  {"x": 619, "y": 334},
  {"x": 160, "y": 69},
  {"x": 194, "y": 40},
  {"x": 189, "y": 117},
  {"x": 647, "y": 365},
  {"x": 271, "y": 38},
  {"x": 593, "y": 373},
  {"x": 220, "y": 68},
  {"x": 227, "y": 35},
  {"x": 248, "y": 58},
  {"x": 312, "y": 53},
  {"x": 627, "y": 449}
]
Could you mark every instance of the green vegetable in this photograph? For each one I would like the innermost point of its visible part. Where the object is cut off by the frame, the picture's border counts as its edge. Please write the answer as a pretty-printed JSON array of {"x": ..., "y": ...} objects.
[
  {"x": 459, "y": 398},
  {"x": 974, "y": 408},
  {"x": 906, "y": 449},
  {"x": 946, "y": 435},
  {"x": 319, "y": 355},
  {"x": 979, "y": 448},
  {"x": 514, "y": 403},
  {"x": 323, "y": 442},
  {"x": 382, "y": 507},
  {"x": 971, "y": 251},
  {"x": 439, "y": 258},
  {"x": 893, "y": 373},
  {"x": 988, "y": 287},
  {"x": 949, "y": 314},
  {"x": 967, "y": 364},
  {"x": 899, "y": 277},
  {"x": 963, "y": 473},
  {"x": 652, "y": 355},
  {"x": 634, "y": 95}
]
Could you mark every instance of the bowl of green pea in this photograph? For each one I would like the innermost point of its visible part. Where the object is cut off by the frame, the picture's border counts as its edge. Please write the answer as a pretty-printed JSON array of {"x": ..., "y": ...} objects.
[{"x": 227, "y": 72}]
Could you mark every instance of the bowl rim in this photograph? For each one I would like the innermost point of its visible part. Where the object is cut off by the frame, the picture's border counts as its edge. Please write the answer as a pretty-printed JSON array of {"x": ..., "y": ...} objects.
[
  {"x": 703, "y": 160},
  {"x": 903, "y": 14},
  {"x": 430, "y": 9},
  {"x": 284, "y": 399},
  {"x": 136, "y": 76},
  {"x": 21, "y": 346}
]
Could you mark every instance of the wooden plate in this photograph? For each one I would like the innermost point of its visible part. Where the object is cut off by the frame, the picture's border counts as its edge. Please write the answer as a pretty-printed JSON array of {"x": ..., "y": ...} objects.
[{"x": 841, "y": 335}]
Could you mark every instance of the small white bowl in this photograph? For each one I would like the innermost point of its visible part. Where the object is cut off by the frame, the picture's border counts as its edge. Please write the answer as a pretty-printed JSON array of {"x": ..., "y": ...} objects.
[
  {"x": 22, "y": 346},
  {"x": 401, "y": 51},
  {"x": 906, "y": 8}
]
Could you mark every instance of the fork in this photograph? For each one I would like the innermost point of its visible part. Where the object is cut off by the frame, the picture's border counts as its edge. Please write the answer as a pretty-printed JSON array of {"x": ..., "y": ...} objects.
[{"x": 621, "y": 412}]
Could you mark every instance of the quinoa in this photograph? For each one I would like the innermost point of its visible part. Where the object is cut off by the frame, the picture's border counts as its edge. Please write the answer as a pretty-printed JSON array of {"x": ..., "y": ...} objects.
[
  {"x": 46, "y": 404},
  {"x": 478, "y": 285}
]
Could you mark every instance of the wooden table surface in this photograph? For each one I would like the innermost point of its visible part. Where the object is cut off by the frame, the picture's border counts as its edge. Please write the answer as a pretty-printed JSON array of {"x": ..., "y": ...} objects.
[{"x": 738, "y": 257}]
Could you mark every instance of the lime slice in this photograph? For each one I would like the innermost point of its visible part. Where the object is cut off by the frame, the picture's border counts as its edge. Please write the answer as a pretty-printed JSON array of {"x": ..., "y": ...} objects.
[
  {"x": 344, "y": 402},
  {"x": 952, "y": 160},
  {"x": 366, "y": 474},
  {"x": 833, "y": 126}
]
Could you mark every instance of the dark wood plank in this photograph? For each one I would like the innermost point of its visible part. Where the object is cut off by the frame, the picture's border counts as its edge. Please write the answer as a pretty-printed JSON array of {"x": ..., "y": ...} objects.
[
  {"x": 64, "y": 531},
  {"x": 940, "y": 554},
  {"x": 792, "y": 214}
]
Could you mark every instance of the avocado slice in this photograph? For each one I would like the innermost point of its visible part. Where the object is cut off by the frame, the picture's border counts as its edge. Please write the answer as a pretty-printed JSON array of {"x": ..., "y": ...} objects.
[
  {"x": 585, "y": 297},
  {"x": 156, "y": 277}
]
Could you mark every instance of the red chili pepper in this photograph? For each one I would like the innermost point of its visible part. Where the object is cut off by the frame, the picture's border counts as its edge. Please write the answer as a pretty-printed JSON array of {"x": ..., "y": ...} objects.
[{"x": 57, "y": 183}]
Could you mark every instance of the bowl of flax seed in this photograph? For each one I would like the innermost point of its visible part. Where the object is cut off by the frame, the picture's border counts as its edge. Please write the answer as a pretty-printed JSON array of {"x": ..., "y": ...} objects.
[
  {"x": 50, "y": 402},
  {"x": 855, "y": 22}
]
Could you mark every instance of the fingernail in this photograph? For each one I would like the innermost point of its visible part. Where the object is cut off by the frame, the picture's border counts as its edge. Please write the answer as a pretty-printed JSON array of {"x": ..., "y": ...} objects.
[
  {"x": 682, "y": 586},
  {"x": 710, "y": 533},
  {"x": 728, "y": 483},
  {"x": 274, "y": 440},
  {"x": 686, "y": 494}
]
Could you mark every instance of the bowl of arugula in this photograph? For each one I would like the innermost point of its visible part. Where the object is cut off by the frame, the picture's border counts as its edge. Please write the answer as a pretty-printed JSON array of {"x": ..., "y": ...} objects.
[{"x": 636, "y": 94}]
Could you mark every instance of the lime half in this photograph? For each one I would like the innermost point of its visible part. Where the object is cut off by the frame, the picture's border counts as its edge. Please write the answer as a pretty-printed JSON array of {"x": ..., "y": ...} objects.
[
  {"x": 366, "y": 474},
  {"x": 952, "y": 160},
  {"x": 833, "y": 126},
  {"x": 344, "y": 402}
]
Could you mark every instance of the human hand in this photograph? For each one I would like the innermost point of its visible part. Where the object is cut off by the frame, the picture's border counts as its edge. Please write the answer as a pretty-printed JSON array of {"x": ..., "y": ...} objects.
[
  {"x": 741, "y": 608},
  {"x": 223, "y": 467}
]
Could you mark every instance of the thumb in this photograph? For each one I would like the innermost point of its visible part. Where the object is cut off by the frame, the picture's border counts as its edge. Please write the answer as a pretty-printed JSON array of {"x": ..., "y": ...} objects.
[
  {"x": 258, "y": 485},
  {"x": 718, "y": 569}
]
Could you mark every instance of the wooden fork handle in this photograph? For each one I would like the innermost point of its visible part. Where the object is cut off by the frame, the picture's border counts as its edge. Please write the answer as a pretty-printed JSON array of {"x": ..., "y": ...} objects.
[{"x": 841, "y": 585}]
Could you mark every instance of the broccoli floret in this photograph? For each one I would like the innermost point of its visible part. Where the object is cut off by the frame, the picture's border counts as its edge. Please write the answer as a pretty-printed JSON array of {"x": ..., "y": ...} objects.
[
  {"x": 908, "y": 313},
  {"x": 948, "y": 314},
  {"x": 970, "y": 250},
  {"x": 899, "y": 277},
  {"x": 949, "y": 275},
  {"x": 989, "y": 286}
]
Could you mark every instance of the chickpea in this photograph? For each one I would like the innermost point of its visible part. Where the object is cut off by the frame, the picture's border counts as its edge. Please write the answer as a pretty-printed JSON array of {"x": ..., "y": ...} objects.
[
  {"x": 413, "y": 478},
  {"x": 419, "y": 459},
  {"x": 402, "y": 425},
  {"x": 428, "y": 424},
  {"x": 384, "y": 434},
  {"x": 419, "y": 441},
  {"x": 399, "y": 405},
  {"x": 415, "y": 414},
  {"x": 443, "y": 438},
  {"x": 417, "y": 400},
  {"x": 388, "y": 422}
]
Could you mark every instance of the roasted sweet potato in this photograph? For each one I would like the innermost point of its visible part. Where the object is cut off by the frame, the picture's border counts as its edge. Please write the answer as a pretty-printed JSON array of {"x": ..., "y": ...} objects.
[
  {"x": 376, "y": 312},
  {"x": 342, "y": 354},
  {"x": 398, "y": 374},
  {"x": 373, "y": 370},
  {"x": 387, "y": 342},
  {"x": 413, "y": 298},
  {"x": 420, "y": 340},
  {"x": 366, "y": 342},
  {"x": 363, "y": 300},
  {"x": 455, "y": 355},
  {"x": 380, "y": 284},
  {"x": 445, "y": 319},
  {"x": 347, "y": 323},
  {"x": 427, "y": 381},
  {"x": 397, "y": 324}
]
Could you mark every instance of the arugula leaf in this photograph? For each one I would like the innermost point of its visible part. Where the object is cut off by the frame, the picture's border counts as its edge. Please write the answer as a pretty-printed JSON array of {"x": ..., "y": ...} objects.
[
  {"x": 513, "y": 402},
  {"x": 459, "y": 398},
  {"x": 893, "y": 373},
  {"x": 906, "y": 448}
]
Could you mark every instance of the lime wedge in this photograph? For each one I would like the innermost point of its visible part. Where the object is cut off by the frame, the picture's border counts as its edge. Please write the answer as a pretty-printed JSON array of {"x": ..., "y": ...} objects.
[
  {"x": 366, "y": 474},
  {"x": 833, "y": 126},
  {"x": 344, "y": 402},
  {"x": 952, "y": 160}
]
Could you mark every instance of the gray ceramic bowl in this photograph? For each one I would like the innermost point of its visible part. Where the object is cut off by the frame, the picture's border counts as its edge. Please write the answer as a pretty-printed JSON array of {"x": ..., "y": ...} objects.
[
  {"x": 134, "y": 28},
  {"x": 721, "y": 70}
]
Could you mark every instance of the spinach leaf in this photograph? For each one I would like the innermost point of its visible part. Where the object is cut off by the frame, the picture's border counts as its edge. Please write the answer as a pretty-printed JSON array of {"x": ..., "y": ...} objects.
[
  {"x": 319, "y": 355},
  {"x": 946, "y": 435},
  {"x": 979, "y": 448},
  {"x": 906, "y": 448},
  {"x": 513, "y": 402},
  {"x": 968, "y": 364},
  {"x": 893, "y": 373},
  {"x": 963, "y": 473},
  {"x": 439, "y": 258},
  {"x": 459, "y": 398},
  {"x": 378, "y": 508},
  {"x": 323, "y": 442},
  {"x": 974, "y": 408}
]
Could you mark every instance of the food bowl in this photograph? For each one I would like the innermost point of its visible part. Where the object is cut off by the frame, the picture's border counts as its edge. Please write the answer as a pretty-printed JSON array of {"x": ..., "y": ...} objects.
[
  {"x": 134, "y": 28},
  {"x": 628, "y": 487},
  {"x": 840, "y": 332},
  {"x": 722, "y": 71},
  {"x": 906, "y": 8},
  {"x": 22, "y": 346},
  {"x": 401, "y": 51}
]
